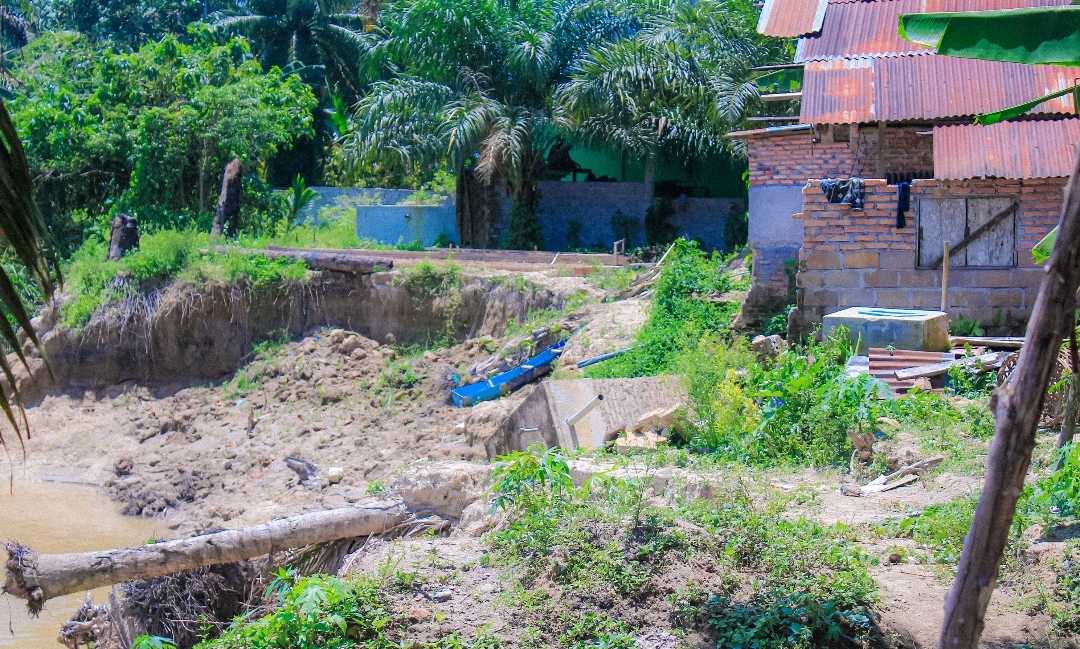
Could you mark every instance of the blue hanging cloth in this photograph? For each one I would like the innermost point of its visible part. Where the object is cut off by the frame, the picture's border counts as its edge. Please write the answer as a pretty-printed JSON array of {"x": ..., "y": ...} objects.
[{"x": 851, "y": 191}]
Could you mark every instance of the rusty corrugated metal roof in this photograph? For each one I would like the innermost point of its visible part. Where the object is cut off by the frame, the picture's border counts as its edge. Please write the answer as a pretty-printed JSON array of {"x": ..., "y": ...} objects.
[
  {"x": 789, "y": 18},
  {"x": 1029, "y": 149},
  {"x": 929, "y": 86},
  {"x": 852, "y": 29}
]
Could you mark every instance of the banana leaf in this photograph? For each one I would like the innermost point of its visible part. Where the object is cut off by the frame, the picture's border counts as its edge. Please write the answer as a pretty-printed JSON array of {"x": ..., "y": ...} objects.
[
  {"x": 1041, "y": 35},
  {"x": 1015, "y": 111}
]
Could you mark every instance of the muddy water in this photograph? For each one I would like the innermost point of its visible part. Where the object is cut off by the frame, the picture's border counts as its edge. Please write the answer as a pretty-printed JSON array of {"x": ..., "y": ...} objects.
[{"x": 56, "y": 517}]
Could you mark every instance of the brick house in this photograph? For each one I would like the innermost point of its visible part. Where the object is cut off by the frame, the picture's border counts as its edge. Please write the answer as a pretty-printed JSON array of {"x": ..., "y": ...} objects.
[{"x": 876, "y": 107}]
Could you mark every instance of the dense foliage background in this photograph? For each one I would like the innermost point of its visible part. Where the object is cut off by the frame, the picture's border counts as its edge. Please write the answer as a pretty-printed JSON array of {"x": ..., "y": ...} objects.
[{"x": 136, "y": 107}]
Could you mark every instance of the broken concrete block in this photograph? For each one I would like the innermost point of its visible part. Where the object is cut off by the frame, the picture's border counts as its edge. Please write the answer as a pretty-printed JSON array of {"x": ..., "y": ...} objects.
[
  {"x": 897, "y": 328},
  {"x": 644, "y": 441}
]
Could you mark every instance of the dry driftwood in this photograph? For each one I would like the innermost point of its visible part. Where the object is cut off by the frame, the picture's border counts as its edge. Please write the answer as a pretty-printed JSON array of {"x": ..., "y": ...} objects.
[
  {"x": 1017, "y": 407},
  {"x": 40, "y": 577}
]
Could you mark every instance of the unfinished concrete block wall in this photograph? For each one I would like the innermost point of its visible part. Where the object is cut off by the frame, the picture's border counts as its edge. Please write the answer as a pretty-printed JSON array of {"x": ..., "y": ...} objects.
[{"x": 860, "y": 258}]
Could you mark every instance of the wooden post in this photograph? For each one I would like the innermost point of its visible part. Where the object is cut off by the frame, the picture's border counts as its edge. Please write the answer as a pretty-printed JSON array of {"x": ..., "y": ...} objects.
[
  {"x": 945, "y": 280},
  {"x": 1017, "y": 407}
]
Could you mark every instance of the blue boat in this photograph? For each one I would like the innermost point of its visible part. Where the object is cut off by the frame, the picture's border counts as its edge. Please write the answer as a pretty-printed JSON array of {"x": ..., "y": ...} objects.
[{"x": 508, "y": 381}]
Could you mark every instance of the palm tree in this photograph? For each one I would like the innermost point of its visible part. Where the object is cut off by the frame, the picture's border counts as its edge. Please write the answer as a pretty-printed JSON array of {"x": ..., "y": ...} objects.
[
  {"x": 23, "y": 233},
  {"x": 472, "y": 86},
  {"x": 317, "y": 38},
  {"x": 672, "y": 90}
]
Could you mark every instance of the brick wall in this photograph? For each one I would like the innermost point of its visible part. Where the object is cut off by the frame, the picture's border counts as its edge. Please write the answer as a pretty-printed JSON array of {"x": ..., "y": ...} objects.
[
  {"x": 793, "y": 158},
  {"x": 859, "y": 258}
]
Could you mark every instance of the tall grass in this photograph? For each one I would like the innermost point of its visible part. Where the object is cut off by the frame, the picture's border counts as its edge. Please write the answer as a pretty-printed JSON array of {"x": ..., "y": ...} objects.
[{"x": 92, "y": 281}]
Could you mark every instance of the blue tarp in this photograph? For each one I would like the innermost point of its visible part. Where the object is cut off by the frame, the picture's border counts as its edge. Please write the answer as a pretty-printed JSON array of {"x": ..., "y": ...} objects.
[{"x": 508, "y": 381}]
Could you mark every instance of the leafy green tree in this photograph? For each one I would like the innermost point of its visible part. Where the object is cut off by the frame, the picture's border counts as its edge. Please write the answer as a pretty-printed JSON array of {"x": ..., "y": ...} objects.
[
  {"x": 150, "y": 131},
  {"x": 320, "y": 39},
  {"x": 471, "y": 88}
]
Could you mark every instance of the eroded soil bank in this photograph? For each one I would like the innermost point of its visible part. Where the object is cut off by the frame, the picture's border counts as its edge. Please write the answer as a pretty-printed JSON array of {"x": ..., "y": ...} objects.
[{"x": 209, "y": 454}]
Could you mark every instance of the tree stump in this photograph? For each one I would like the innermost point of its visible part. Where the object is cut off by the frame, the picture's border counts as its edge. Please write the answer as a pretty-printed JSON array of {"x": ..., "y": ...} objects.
[
  {"x": 124, "y": 237},
  {"x": 227, "y": 216}
]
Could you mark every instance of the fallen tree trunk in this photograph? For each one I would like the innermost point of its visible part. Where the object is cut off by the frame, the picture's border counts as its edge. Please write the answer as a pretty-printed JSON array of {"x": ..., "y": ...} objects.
[
  {"x": 339, "y": 261},
  {"x": 40, "y": 577},
  {"x": 343, "y": 262},
  {"x": 1017, "y": 407}
]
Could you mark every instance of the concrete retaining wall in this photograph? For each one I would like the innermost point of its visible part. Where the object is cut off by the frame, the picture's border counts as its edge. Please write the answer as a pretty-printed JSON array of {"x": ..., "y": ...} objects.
[{"x": 542, "y": 416}]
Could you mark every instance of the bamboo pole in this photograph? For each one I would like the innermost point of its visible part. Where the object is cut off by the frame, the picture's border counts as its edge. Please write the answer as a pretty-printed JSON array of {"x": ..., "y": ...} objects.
[
  {"x": 1016, "y": 407},
  {"x": 40, "y": 577}
]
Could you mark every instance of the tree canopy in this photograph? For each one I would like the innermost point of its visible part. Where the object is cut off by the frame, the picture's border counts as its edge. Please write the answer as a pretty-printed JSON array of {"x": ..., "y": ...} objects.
[{"x": 149, "y": 131}]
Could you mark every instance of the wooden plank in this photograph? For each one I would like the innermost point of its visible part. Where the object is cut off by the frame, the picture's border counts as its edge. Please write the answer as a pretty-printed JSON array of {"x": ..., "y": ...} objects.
[
  {"x": 977, "y": 235},
  {"x": 940, "y": 220},
  {"x": 937, "y": 369},
  {"x": 993, "y": 342},
  {"x": 993, "y": 232}
]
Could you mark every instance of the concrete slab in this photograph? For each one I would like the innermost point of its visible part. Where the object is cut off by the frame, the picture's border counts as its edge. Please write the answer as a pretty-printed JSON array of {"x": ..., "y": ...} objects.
[
  {"x": 899, "y": 328},
  {"x": 542, "y": 417}
]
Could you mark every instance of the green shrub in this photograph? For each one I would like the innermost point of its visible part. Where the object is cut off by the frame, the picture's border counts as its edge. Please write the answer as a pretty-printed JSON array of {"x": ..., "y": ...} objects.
[
  {"x": 794, "y": 409},
  {"x": 319, "y": 612},
  {"x": 1059, "y": 493},
  {"x": 681, "y": 314}
]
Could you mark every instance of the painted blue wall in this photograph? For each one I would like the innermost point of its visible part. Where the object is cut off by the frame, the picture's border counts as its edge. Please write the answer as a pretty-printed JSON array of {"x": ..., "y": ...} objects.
[{"x": 394, "y": 224}]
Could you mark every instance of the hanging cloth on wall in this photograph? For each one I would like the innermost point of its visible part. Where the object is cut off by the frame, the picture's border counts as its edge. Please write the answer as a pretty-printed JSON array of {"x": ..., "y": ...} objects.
[
  {"x": 903, "y": 203},
  {"x": 851, "y": 191}
]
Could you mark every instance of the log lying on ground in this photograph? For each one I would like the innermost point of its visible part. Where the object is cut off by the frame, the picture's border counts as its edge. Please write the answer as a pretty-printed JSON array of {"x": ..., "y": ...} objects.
[
  {"x": 340, "y": 261},
  {"x": 40, "y": 577},
  {"x": 343, "y": 262}
]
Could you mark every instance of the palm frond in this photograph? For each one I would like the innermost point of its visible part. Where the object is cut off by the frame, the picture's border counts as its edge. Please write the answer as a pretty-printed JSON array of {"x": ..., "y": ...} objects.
[{"x": 21, "y": 226}]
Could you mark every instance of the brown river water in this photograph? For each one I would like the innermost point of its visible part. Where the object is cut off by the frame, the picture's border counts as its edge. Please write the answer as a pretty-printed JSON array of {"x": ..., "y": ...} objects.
[{"x": 58, "y": 517}]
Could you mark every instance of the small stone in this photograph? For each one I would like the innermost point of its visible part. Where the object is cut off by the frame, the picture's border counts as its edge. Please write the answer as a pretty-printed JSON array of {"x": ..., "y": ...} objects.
[
  {"x": 419, "y": 614},
  {"x": 123, "y": 466},
  {"x": 442, "y": 596},
  {"x": 226, "y": 465},
  {"x": 335, "y": 474}
]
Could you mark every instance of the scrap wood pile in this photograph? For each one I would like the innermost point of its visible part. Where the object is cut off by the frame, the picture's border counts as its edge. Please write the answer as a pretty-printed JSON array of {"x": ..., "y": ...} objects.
[{"x": 904, "y": 369}]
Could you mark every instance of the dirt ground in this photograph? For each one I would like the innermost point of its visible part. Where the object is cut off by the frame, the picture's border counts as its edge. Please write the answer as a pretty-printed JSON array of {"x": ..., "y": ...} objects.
[{"x": 215, "y": 456}]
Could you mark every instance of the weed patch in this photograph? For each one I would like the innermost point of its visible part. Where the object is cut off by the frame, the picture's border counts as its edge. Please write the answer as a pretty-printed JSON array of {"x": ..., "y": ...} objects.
[
  {"x": 807, "y": 585},
  {"x": 685, "y": 309},
  {"x": 92, "y": 281}
]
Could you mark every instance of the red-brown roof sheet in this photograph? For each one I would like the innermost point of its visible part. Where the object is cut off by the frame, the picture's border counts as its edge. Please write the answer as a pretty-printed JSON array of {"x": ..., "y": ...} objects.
[
  {"x": 1029, "y": 149},
  {"x": 790, "y": 18},
  {"x": 929, "y": 86},
  {"x": 853, "y": 29}
]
